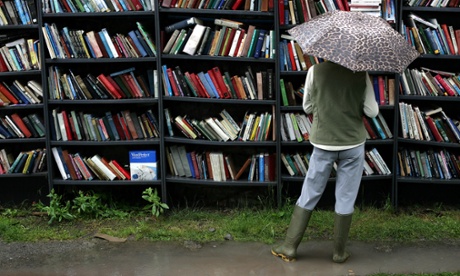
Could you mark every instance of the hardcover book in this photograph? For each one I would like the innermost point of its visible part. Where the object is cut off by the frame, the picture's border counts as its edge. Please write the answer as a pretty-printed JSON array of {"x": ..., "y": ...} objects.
[{"x": 143, "y": 165}]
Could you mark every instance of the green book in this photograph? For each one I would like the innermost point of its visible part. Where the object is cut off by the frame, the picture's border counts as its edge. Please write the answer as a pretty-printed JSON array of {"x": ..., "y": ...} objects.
[
  {"x": 283, "y": 93},
  {"x": 252, "y": 45}
]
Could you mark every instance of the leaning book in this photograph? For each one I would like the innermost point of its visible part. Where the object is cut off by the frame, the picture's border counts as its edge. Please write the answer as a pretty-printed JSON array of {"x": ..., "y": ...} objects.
[{"x": 143, "y": 165}]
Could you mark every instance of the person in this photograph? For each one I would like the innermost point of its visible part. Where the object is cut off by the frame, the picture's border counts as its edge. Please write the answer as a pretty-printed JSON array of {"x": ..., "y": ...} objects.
[{"x": 337, "y": 98}]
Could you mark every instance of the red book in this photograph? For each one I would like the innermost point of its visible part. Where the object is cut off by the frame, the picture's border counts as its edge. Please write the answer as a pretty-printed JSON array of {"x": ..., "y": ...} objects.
[
  {"x": 446, "y": 87},
  {"x": 20, "y": 124},
  {"x": 434, "y": 130},
  {"x": 5, "y": 91},
  {"x": 291, "y": 56},
  {"x": 381, "y": 81},
  {"x": 3, "y": 66},
  {"x": 195, "y": 165},
  {"x": 214, "y": 81},
  {"x": 192, "y": 77},
  {"x": 108, "y": 86},
  {"x": 117, "y": 47},
  {"x": 132, "y": 86},
  {"x": 70, "y": 165},
  {"x": 118, "y": 127},
  {"x": 369, "y": 129},
  {"x": 281, "y": 11},
  {"x": 121, "y": 169},
  {"x": 220, "y": 82},
  {"x": 227, "y": 47},
  {"x": 238, "y": 43},
  {"x": 445, "y": 29},
  {"x": 340, "y": 5},
  {"x": 304, "y": 10},
  {"x": 457, "y": 37},
  {"x": 345, "y": 4},
  {"x": 130, "y": 124},
  {"x": 172, "y": 80},
  {"x": 137, "y": 5},
  {"x": 72, "y": 128},
  {"x": 117, "y": 87},
  {"x": 201, "y": 85},
  {"x": 67, "y": 126},
  {"x": 237, "y": 4},
  {"x": 124, "y": 127}
]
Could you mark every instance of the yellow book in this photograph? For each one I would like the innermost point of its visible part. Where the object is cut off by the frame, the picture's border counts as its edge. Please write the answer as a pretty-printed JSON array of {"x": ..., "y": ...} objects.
[
  {"x": 83, "y": 43},
  {"x": 30, "y": 154},
  {"x": 255, "y": 126}
]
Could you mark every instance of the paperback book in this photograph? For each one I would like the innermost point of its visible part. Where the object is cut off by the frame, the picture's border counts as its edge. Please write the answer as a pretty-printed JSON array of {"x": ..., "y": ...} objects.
[{"x": 143, "y": 165}]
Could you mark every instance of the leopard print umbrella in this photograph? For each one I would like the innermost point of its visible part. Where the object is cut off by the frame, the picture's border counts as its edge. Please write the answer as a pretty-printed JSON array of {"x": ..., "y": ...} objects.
[{"x": 356, "y": 40}]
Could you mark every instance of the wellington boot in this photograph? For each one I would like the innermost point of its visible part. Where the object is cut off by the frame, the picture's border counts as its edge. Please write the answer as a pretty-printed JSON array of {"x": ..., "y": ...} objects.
[
  {"x": 342, "y": 225},
  {"x": 299, "y": 222}
]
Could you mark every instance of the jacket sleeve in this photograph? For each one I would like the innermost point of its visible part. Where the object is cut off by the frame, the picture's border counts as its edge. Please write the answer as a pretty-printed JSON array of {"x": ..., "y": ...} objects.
[{"x": 371, "y": 108}]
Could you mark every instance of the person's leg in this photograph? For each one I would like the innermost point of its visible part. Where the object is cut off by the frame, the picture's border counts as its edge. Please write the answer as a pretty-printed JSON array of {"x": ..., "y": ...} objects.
[
  {"x": 313, "y": 187},
  {"x": 349, "y": 173}
]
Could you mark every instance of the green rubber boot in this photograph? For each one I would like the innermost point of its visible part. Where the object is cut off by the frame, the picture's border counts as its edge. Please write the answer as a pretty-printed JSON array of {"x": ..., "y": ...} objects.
[
  {"x": 299, "y": 221},
  {"x": 342, "y": 225}
]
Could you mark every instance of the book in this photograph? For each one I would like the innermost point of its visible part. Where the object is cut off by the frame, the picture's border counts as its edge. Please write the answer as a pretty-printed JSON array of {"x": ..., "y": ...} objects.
[
  {"x": 183, "y": 24},
  {"x": 143, "y": 165}
]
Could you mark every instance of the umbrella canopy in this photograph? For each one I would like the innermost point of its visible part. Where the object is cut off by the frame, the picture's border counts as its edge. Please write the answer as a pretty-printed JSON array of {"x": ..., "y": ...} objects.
[{"x": 355, "y": 40}]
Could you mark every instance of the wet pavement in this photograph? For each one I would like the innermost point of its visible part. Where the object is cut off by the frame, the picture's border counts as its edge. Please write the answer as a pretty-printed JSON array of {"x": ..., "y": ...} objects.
[{"x": 101, "y": 258}]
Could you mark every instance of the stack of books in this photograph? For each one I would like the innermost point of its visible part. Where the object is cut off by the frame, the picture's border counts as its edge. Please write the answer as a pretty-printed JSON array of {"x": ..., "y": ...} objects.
[
  {"x": 74, "y": 166},
  {"x": 295, "y": 126},
  {"x": 124, "y": 125},
  {"x": 14, "y": 12},
  {"x": 26, "y": 162},
  {"x": 20, "y": 93},
  {"x": 19, "y": 55},
  {"x": 427, "y": 82},
  {"x": 69, "y": 43},
  {"x": 17, "y": 126},
  {"x": 215, "y": 83}
]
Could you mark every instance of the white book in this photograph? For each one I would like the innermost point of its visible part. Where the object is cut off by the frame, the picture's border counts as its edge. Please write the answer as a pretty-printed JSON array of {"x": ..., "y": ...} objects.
[
  {"x": 286, "y": 164},
  {"x": 60, "y": 119},
  {"x": 98, "y": 162},
  {"x": 423, "y": 125},
  {"x": 231, "y": 52},
  {"x": 210, "y": 121},
  {"x": 249, "y": 125},
  {"x": 215, "y": 166},
  {"x": 110, "y": 42},
  {"x": 14, "y": 127},
  {"x": 367, "y": 169},
  {"x": 59, "y": 163},
  {"x": 382, "y": 162},
  {"x": 290, "y": 127},
  {"x": 194, "y": 40}
]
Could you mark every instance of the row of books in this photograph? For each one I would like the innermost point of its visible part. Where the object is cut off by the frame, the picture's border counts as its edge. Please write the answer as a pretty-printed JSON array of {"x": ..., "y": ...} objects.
[
  {"x": 384, "y": 89},
  {"x": 428, "y": 125},
  {"x": 74, "y": 6},
  {"x": 26, "y": 162},
  {"x": 292, "y": 57},
  {"x": 229, "y": 38},
  {"x": 377, "y": 127},
  {"x": 254, "y": 127},
  {"x": 428, "y": 163},
  {"x": 429, "y": 36},
  {"x": 123, "y": 84},
  {"x": 124, "y": 125},
  {"x": 20, "y": 55},
  {"x": 17, "y": 126},
  {"x": 297, "y": 164},
  {"x": 247, "y": 5},
  {"x": 427, "y": 82},
  {"x": 215, "y": 84},
  {"x": 17, "y": 12},
  {"x": 72, "y": 43},
  {"x": 219, "y": 166},
  {"x": 74, "y": 166},
  {"x": 433, "y": 3},
  {"x": 20, "y": 93}
]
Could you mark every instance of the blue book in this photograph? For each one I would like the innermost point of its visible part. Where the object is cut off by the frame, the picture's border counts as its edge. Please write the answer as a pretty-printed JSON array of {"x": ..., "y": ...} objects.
[
  {"x": 143, "y": 165},
  {"x": 211, "y": 84},
  {"x": 206, "y": 84},
  {"x": 125, "y": 71},
  {"x": 259, "y": 44},
  {"x": 261, "y": 168},
  {"x": 379, "y": 128},
  {"x": 5, "y": 132},
  {"x": 19, "y": 94},
  {"x": 106, "y": 46},
  {"x": 72, "y": 88},
  {"x": 438, "y": 42},
  {"x": 282, "y": 58},
  {"x": 137, "y": 43},
  {"x": 190, "y": 163},
  {"x": 91, "y": 50},
  {"x": 164, "y": 69},
  {"x": 433, "y": 44},
  {"x": 21, "y": 12}
]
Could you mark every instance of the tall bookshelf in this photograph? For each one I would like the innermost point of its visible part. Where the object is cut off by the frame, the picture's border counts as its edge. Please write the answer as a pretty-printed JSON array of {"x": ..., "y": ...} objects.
[
  {"x": 428, "y": 187},
  {"x": 172, "y": 185}
]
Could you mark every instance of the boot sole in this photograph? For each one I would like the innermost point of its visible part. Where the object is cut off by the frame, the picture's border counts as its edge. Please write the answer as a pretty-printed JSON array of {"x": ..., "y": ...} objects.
[{"x": 283, "y": 257}]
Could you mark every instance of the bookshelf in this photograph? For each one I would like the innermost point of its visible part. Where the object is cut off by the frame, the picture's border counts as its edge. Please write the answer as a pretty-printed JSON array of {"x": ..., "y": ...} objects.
[
  {"x": 193, "y": 105},
  {"x": 428, "y": 181}
]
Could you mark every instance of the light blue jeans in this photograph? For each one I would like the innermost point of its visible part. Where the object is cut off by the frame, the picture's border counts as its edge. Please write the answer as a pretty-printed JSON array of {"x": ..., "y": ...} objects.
[{"x": 349, "y": 172}]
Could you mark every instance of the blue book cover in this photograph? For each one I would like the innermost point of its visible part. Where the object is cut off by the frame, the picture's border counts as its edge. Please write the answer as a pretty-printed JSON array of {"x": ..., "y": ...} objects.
[
  {"x": 190, "y": 163},
  {"x": 143, "y": 165},
  {"x": 19, "y": 94},
  {"x": 137, "y": 43},
  {"x": 261, "y": 168},
  {"x": 164, "y": 68},
  {"x": 211, "y": 84},
  {"x": 260, "y": 43},
  {"x": 106, "y": 46}
]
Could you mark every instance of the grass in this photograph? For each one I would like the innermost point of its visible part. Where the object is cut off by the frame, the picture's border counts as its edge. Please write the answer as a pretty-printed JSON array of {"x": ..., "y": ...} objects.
[{"x": 264, "y": 225}]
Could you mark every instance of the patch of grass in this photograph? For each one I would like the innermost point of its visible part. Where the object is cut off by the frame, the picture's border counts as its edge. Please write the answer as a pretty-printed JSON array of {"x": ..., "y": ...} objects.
[{"x": 265, "y": 225}]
